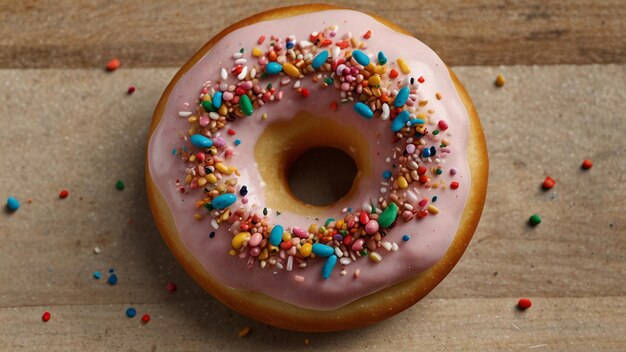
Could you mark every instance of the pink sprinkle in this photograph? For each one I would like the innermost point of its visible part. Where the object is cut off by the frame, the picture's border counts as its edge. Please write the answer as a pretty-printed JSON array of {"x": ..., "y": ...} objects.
[
  {"x": 300, "y": 232},
  {"x": 244, "y": 200},
  {"x": 227, "y": 96},
  {"x": 443, "y": 125},
  {"x": 131, "y": 89},
  {"x": 371, "y": 227},
  {"x": 453, "y": 171},
  {"x": 299, "y": 278},
  {"x": 410, "y": 148},
  {"x": 345, "y": 86}
]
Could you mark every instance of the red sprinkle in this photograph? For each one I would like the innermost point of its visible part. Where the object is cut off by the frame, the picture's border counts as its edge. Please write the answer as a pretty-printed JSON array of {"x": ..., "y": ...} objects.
[
  {"x": 261, "y": 40},
  {"x": 367, "y": 35},
  {"x": 548, "y": 183},
  {"x": 524, "y": 303},
  {"x": 454, "y": 185},
  {"x": 231, "y": 132},
  {"x": 333, "y": 106},
  {"x": 145, "y": 318},
  {"x": 393, "y": 73},
  {"x": 171, "y": 287},
  {"x": 131, "y": 89},
  {"x": 305, "y": 92},
  {"x": 421, "y": 79},
  {"x": 587, "y": 164},
  {"x": 46, "y": 316},
  {"x": 63, "y": 194},
  {"x": 113, "y": 65},
  {"x": 443, "y": 125}
]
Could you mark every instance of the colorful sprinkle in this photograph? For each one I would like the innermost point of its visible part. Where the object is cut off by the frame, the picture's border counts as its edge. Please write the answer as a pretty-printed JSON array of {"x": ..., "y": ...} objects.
[
  {"x": 327, "y": 269},
  {"x": 246, "y": 105},
  {"x": 119, "y": 185},
  {"x": 387, "y": 174},
  {"x": 276, "y": 236},
  {"x": 145, "y": 318},
  {"x": 524, "y": 303},
  {"x": 171, "y": 287},
  {"x": 63, "y": 194},
  {"x": 217, "y": 100},
  {"x": 131, "y": 312},
  {"x": 273, "y": 68},
  {"x": 201, "y": 141},
  {"x": 382, "y": 59},
  {"x": 499, "y": 81},
  {"x": 400, "y": 121},
  {"x": 319, "y": 59},
  {"x": 454, "y": 184},
  {"x": 587, "y": 164},
  {"x": 113, "y": 65},
  {"x": 548, "y": 183},
  {"x": 223, "y": 201},
  {"x": 406, "y": 238},
  {"x": 131, "y": 90},
  {"x": 45, "y": 317},
  {"x": 404, "y": 67},
  {"x": 363, "y": 110},
  {"x": 361, "y": 57},
  {"x": 13, "y": 204},
  {"x": 112, "y": 279},
  {"x": 97, "y": 275},
  {"x": 402, "y": 97},
  {"x": 322, "y": 250},
  {"x": 245, "y": 331},
  {"x": 534, "y": 220},
  {"x": 388, "y": 216}
]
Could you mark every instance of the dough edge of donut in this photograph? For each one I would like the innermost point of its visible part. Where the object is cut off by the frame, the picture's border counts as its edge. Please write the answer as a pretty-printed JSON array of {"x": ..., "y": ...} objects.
[{"x": 368, "y": 309}]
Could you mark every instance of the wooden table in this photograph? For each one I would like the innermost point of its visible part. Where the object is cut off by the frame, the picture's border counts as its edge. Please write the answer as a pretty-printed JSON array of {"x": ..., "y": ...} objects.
[{"x": 66, "y": 124}]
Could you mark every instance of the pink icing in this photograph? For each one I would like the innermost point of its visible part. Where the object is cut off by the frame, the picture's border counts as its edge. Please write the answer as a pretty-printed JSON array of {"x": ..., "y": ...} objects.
[{"x": 430, "y": 237}]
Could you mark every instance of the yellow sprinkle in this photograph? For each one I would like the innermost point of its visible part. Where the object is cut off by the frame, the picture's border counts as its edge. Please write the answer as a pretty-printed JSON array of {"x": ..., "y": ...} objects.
[
  {"x": 291, "y": 70},
  {"x": 286, "y": 236},
  {"x": 188, "y": 178},
  {"x": 232, "y": 252},
  {"x": 264, "y": 116},
  {"x": 402, "y": 183},
  {"x": 201, "y": 182},
  {"x": 256, "y": 52},
  {"x": 244, "y": 332},
  {"x": 375, "y": 257},
  {"x": 500, "y": 81},
  {"x": 223, "y": 169},
  {"x": 313, "y": 228},
  {"x": 274, "y": 249},
  {"x": 211, "y": 178},
  {"x": 403, "y": 66},
  {"x": 197, "y": 216},
  {"x": 223, "y": 110},
  {"x": 432, "y": 209},
  {"x": 438, "y": 95},
  {"x": 374, "y": 81},
  {"x": 192, "y": 157},
  {"x": 206, "y": 98},
  {"x": 239, "y": 239},
  {"x": 263, "y": 254},
  {"x": 423, "y": 102},
  {"x": 380, "y": 69},
  {"x": 192, "y": 119},
  {"x": 305, "y": 250},
  {"x": 371, "y": 67}
]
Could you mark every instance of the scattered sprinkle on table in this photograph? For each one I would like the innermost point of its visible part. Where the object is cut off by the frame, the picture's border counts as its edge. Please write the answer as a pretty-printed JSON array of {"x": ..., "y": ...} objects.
[
  {"x": 13, "y": 204},
  {"x": 131, "y": 90},
  {"x": 171, "y": 287},
  {"x": 244, "y": 331},
  {"x": 97, "y": 275},
  {"x": 534, "y": 220},
  {"x": 587, "y": 164},
  {"x": 96, "y": 250},
  {"x": 112, "y": 279},
  {"x": 524, "y": 303},
  {"x": 500, "y": 81},
  {"x": 63, "y": 194},
  {"x": 113, "y": 65},
  {"x": 131, "y": 312},
  {"x": 45, "y": 316},
  {"x": 548, "y": 183},
  {"x": 145, "y": 318},
  {"x": 119, "y": 185}
]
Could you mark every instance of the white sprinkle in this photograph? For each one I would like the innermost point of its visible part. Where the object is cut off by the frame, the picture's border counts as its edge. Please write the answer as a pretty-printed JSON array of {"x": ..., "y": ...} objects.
[
  {"x": 394, "y": 247},
  {"x": 252, "y": 73},
  {"x": 285, "y": 80},
  {"x": 343, "y": 272},
  {"x": 184, "y": 113},
  {"x": 336, "y": 52},
  {"x": 388, "y": 160},
  {"x": 214, "y": 224},
  {"x": 214, "y": 116},
  {"x": 386, "y": 245},
  {"x": 237, "y": 55},
  {"x": 263, "y": 264},
  {"x": 299, "y": 278},
  {"x": 345, "y": 261},
  {"x": 385, "y": 115},
  {"x": 279, "y": 266},
  {"x": 241, "y": 61},
  {"x": 96, "y": 250},
  {"x": 304, "y": 44},
  {"x": 289, "y": 263},
  {"x": 338, "y": 252},
  {"x": 243, "y": 73},
  {"x": 297, "y": 84},
  {"x": 383, "y": 190},
  {"x": 223, "y": 74}
]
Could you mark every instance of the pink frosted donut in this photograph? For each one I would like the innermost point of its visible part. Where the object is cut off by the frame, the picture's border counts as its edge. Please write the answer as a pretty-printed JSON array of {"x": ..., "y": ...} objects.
[{"x": 275, "y": 85}]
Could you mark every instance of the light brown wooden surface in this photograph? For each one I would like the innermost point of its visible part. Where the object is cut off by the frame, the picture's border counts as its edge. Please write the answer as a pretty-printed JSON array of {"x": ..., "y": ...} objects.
[
  {"x": 84, "y": 33},
  {"x": 77, "y": 129}
]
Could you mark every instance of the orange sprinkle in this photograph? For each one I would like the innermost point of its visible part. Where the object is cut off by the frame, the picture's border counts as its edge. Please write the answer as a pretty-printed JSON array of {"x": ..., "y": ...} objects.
[
  {"x": 393, "y": 73},
  {"x": 113, "y": 65},
  {"x": 367, "y": 34}
]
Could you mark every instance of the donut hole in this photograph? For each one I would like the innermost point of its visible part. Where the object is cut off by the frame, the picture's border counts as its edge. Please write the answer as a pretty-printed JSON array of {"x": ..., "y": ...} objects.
[{"x": 321, "y": 176}]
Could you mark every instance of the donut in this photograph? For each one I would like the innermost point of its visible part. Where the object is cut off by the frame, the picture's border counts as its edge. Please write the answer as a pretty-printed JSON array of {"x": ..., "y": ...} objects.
[{"x": 274, "y": 86}]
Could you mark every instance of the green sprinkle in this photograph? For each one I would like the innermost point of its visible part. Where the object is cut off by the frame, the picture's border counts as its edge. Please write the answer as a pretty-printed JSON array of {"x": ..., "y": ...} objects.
[
  {"x": 329, "y": 80},
  {"x": 208, "y": 206},
  {"x": 265, "y": 211},
  {"x": 435, "y": 132},
  {"x": 269, "y": 86},
  {"x": 208, "y": 106},
  {"x": 246, "y": 105},
  {"x": 439, "y": 171},
  {"x": 328, "y": 221},
  {"x": 534, "y": 220},
  {"x": 241, "y": 50},
  {"x": 119, "y": 185},
  {"x": 388, "y": 216}
]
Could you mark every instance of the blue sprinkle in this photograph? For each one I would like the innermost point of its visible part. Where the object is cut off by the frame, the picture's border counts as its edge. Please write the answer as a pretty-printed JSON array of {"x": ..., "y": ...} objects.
[
  {"x": 97, "y": 275},
  {"x": 217, "y": 100},
  {"x": 112, "y": 279},
  {"x": 434, "y": 199},
  {"x": 290, "y": 45},
  {"x": 386, "y": 174},
  {"x": 237, "y": 142},
  {"x": 416, "y": 122},
  {"x": 400, "y": 121},
  {"x": 276, "y": 235},
  {"x": 361, "y": 57},
  {"x": 273, "y": 68},
  {"x": 131, "y": 312},
  {"x": 401, "y": 97},
  {"x": 173, "y": 151},
  {"x": 426, "y": 152},
  {"x": 322, "y": 250},
  {"x": 223, "y": 201},
  {"x": 327, "y": 269},
  {"x": 363, "y": 110},
  {"x": 319, "y": 59},
  {"x": 13, "y": 204},
  {"x": 201, "y": 141},
  {"x": 406, "y": 238},
  {"x": 382, "y": 59}
]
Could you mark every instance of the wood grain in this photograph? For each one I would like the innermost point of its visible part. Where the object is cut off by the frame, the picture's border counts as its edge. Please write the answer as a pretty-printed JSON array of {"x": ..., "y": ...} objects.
[
  {"x": 78, "y": 129},
  {"x": 160, "y": 34}
]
